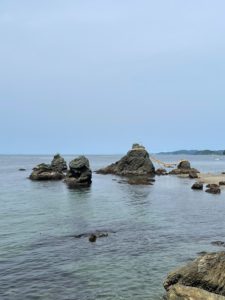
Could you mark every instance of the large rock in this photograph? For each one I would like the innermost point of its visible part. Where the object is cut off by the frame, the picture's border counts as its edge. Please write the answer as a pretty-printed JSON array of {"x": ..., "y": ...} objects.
[
  {"x": 45, "y": 172},
  {"x": 184, "y": 168},
  {"x": 79, "y": 174},
  {"x": 58, "y": 163},
  {"x": 136, "y": 162},
  {"x": 206, "y": 273}
]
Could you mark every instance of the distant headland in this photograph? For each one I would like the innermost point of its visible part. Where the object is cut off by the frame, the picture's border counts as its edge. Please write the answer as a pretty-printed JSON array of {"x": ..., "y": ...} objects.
[{"x": 195, "y": 152}]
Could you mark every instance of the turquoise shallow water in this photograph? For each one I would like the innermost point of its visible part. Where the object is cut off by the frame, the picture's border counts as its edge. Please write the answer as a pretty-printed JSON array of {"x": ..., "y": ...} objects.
[{"x": 156, "y": 228}]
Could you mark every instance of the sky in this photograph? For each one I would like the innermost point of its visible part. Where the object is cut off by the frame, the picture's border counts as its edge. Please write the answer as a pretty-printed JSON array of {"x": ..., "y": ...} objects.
[{"x": 96, "y": 76}]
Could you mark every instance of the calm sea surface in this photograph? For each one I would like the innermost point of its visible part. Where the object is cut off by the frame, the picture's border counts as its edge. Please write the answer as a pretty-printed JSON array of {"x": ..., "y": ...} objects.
[{"x": 155, "y": 228}]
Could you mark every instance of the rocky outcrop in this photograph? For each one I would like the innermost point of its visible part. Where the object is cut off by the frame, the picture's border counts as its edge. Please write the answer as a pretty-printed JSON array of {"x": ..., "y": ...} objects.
[
  {"x": 184, "y": 168},
  {"x": 197, "y": 186},
  {"x": 181, "y": 292},
  {"x": 213, "y": 190},
  {"x": 58, "y": 163},
  {"x": 136, "y": 162},
  {"x": 206, "y": 274},
  {"x": 79, "y": 174},
  {"x": 45, "y": 172}
]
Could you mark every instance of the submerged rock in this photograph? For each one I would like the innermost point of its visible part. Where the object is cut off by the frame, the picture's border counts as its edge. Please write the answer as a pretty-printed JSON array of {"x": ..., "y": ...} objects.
[
  {"x": 136, "y": 162},
  {"x": 97, "y": 234},
  {"x": 206, "y": 273},
  {"x": 218, "y": 243},
  {"x": 58, "y": 163},
  {"x": 22, "y": 169},
  {"x": 197, "y": 186},
  {"x": 184, "y": 168},
  {"x": 79, "y": 174},
  {"x": 92, "y": 238}
]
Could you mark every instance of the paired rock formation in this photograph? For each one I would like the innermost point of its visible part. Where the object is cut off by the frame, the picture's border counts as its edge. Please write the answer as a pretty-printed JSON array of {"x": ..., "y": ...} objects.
[
  {"x": 79, "y": 174},
  {"x": 184, "y": 168},
  {"x": 135, "y": 163},
  {"x": 53, "y": 171},
  {"x": 204, "y": 278}
]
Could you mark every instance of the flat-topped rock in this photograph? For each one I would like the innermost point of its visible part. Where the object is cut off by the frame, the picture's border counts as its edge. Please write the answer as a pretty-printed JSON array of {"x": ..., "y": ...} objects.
[
  {"x": 45, "y": 172},
  {"x": 137, "y": 162}
]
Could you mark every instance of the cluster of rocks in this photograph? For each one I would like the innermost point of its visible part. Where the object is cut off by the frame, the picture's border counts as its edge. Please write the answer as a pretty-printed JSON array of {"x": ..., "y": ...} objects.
[
  {"x": 210, "y": 188},
  {"x": 79, "y": 174},
  {"x": 53, "y": 171},
  {"x": 202, "y": 279},
  {"x": 184, "y": 168},
  {"x": 136, "y": 162}
]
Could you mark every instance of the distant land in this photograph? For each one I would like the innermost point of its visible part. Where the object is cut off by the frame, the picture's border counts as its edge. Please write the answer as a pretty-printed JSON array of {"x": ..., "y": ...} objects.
[{"x": 195, "y": 152}]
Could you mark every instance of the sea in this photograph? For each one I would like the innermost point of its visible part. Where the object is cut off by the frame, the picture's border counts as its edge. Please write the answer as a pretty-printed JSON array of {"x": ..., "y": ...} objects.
[{"x": 151, "y": 230}]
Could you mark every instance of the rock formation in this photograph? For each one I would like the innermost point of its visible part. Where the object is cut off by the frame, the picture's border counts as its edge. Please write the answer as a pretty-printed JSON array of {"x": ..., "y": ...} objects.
[
  {"x": 45, "y": 172},
  {"x": 161, "y": 171},
  {"x": 136, "y": 162},
  {"x": 197, "y": 186},
  {"x": 184, "y": 168},
  {"x": 79, "y": 174},
  {"x": 58, "y": 163},
  {"x": 204, "y": 278}
]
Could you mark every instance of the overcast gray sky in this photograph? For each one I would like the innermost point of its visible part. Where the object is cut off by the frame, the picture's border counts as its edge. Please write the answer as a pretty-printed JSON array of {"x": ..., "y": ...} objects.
[{"x": 95, "y": 76}]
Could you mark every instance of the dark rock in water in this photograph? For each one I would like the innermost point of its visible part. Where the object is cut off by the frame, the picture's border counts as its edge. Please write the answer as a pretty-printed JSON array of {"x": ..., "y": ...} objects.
[
  {"x": 58, "y": 163},
  {"x": 206, "y": 274},
  {"x": 22, "y": 169},
  {"x": 193, "y": 175},
  {"x": 92, "y": 238},
  {"x": 213, "y": 190},
  {"x": 218, "y": 243},
  {"x": 197, "y": 186},
  {"x": 184, "y": 168},
  {"x": 139, "y": 180},
  {"x": 136, "y": 162},
  {"x": 161, "y": 172},
  {"x": 184, "y": 164},
  {"x": 45, "y": 172},
  {"x": 212, "y": 185},
  {"x": 222, "y": 183},
  {"x": 79, "y": 174}
]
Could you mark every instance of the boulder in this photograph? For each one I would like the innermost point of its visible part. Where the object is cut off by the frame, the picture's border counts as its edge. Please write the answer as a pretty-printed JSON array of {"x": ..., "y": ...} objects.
[
  {"x": 184, "y": 168},
  {"x": 213, "y": 190},
  {"x": 222, "y": 183},
  {"x": 79, "y": 174},
  {"x": 136, "y": 162},
  {"x": 206, "y": 273},
  {"x": 197, "y": 186},
  {"x": 58, "y": 163},
  {"x": 45, "y": 172}
]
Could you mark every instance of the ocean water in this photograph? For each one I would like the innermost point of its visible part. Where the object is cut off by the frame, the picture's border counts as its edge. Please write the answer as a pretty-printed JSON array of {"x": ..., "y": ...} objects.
[{"x": 152, "y": 229}]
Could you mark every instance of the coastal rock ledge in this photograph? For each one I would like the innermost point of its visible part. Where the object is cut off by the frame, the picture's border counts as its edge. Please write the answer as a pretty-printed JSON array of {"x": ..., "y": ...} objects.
[
  {"x": 202, "y": 279},
  {"x": 135, "y": 163}
]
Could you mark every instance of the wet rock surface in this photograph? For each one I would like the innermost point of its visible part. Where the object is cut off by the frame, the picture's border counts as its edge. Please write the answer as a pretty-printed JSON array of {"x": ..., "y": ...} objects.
[
  {"x": 45, "y": 172},
  {"x": 206, "y": 273},
  {"x": 161, "y": 171},
  {"x": 136, "y": 162},
  {"x": 197, "y": 186},
  {"x": 213, "y": 190},
  {"x": 79, "y": 174},
  {"x": 193, "y": 175}
]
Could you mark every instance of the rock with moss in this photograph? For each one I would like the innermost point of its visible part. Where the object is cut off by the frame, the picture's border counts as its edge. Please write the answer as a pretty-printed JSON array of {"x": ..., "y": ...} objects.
[{"x": 136, "y": 162}]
